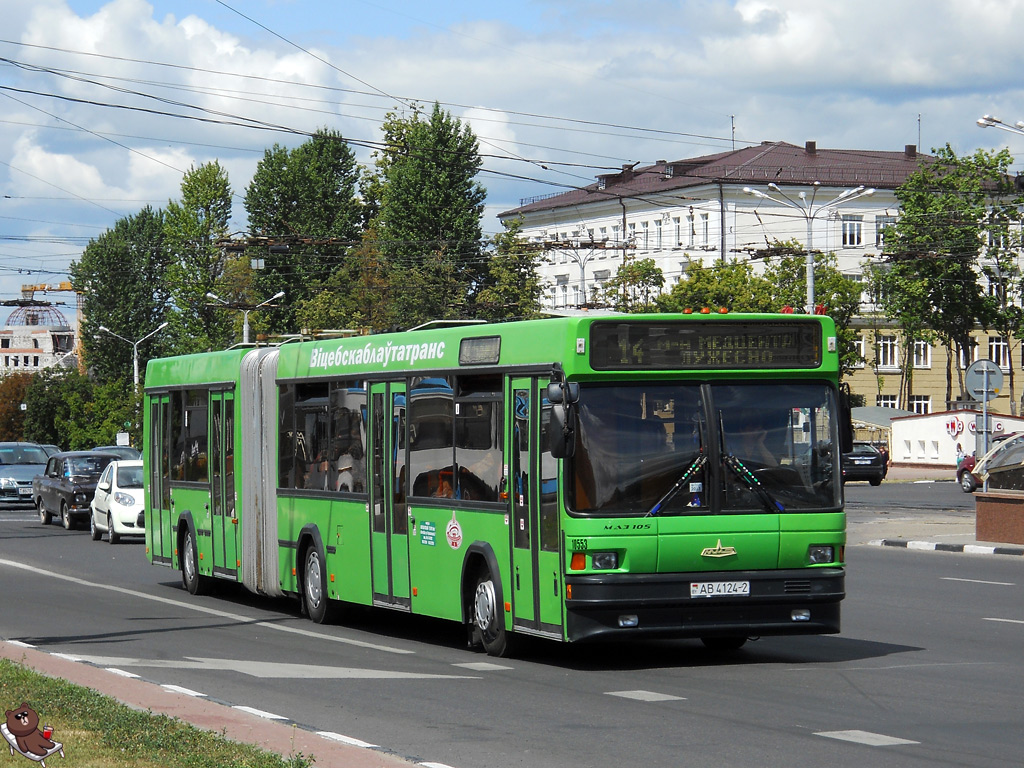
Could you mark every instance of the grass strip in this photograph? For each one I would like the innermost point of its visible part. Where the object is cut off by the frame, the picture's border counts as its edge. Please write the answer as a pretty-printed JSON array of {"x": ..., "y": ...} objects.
[{"x": 100, "y": 732}]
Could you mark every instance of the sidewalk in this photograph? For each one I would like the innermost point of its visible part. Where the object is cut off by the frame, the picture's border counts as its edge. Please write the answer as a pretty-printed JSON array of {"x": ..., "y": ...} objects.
[
  {"x": 281, "y": 736},
  {"x": 941, "y": 530}
]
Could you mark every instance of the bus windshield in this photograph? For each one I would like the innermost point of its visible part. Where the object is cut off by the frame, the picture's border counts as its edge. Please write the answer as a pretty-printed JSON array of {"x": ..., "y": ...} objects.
[{"x": 692, "y": 448}]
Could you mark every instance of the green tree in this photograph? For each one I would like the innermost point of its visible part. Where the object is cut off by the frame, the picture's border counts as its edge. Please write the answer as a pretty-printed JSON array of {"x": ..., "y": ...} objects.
[
  {"x": 428, "y": 206},
  {"x": 723, "y": 284},
  {"x": 48, "y": 401},
  {"x": 308, "y": 198},
  {"x": 635, "y": 287},
  {"x": 510, "y": 288},
  {"x": 838, "y": 294},
  {"x": 931, "y": 278},
  {"x": 192, "y": 228},
  {"x": 122, "y": 280},
  {"x": 13, "y": 387}
]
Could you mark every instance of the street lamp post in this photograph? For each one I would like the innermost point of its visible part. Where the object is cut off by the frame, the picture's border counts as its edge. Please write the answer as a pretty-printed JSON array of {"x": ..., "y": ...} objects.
[
  {"x": 135, "y": 347},
  {"x": 810, "y": 212},
  {"x": 246, "y": 309},
  {"x": 987, "y": 121}
]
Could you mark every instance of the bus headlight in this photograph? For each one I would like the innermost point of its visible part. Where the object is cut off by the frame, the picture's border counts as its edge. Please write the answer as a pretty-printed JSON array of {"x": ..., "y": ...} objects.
[
  {"x": 819, "y": 554},
  {"x": 604, "y": 561}
]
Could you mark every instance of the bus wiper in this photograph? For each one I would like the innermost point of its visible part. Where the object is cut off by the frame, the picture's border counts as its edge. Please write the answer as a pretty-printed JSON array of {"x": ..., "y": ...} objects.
[
  {"x": 748, "y": 479},
  {"x": 694, "y": 468}
]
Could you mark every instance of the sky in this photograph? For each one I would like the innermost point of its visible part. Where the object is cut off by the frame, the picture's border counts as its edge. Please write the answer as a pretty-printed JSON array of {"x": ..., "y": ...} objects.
[{"x": 105, "y": 105}]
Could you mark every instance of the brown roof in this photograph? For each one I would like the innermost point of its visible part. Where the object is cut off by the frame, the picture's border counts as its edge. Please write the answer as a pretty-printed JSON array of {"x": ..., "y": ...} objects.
[{"x": 776, "y": 161}]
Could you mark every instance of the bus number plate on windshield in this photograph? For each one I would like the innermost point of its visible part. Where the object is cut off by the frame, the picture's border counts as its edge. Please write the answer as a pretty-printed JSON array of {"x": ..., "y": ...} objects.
[{"x": 719, "y": 589}]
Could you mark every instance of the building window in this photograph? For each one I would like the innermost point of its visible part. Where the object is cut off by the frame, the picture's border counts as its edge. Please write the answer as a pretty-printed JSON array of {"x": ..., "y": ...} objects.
[
  {"x": 999, "y": 352},
  {"x": 657, "y": 234},
  {"x": 646, "y": 234},
  {"x": 881, "y": 223},
  {"x": 858, "y": 349},
  {"x": 677, "y": 229},
  {"x": 888, "y": 350},
  {"x": 705, "y": 228},
  {"x": 853, "y": 231},
  {"x": 691, "y": 229},
  {"x": 921, "y": 404},
  {"x": 887, "y": 401},
  {"x": 922, "y": 354},
  {"x": 968, "y": 356}
]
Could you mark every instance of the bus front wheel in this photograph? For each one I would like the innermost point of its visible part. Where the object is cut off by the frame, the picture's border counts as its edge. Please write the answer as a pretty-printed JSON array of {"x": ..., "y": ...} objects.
[
  {"x": 314, "y": 587},
  {"x": 190, "y": 578},
  {"x": 488, "y": 620}
]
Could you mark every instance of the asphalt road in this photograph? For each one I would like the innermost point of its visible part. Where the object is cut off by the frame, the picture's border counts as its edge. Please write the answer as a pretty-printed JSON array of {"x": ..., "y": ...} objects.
[{"x": 927, "y": 670}]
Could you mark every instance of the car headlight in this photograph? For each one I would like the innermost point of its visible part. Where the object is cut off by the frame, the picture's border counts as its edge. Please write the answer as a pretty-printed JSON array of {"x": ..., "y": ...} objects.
[
  {"x": 8, "y": 482},
  {"x": 124, "y": 499}
]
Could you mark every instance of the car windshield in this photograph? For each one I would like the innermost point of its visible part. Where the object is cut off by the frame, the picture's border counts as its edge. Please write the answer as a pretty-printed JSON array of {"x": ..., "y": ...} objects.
[
  {"x": 88, "y": 466},
  {"x": 670, "y": 448},
  {"x": 22, "y": 454},
  {"x": 129, "y": 477}
]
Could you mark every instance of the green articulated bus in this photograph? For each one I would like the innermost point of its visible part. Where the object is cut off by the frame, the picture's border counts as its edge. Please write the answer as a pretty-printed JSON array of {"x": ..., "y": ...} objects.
[{"x": 574, "y": 478}]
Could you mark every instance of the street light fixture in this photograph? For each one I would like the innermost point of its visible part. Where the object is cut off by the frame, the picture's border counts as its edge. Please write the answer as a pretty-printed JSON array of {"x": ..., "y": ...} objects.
[
  {"x": 810, "y": 212},
  {"x": 246, "y": 309},
  {"x": 135, "y": 347},
  {"x": 987, "y": 121}
]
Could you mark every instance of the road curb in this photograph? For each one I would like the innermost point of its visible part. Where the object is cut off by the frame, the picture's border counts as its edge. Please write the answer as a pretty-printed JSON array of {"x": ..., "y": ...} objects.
[{"x": 933, "y": 546}]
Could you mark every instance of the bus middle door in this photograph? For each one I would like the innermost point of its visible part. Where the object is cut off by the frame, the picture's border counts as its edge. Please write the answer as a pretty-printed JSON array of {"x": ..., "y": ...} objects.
[
  {"x": 222, "y": 484},
  {"x": 389, "y": 535},
  {"x": 522, "y": 478}
]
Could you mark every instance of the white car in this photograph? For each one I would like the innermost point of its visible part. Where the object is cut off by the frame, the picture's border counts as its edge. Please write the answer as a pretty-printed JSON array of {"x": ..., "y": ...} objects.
[{"x": 117, "y": 505}]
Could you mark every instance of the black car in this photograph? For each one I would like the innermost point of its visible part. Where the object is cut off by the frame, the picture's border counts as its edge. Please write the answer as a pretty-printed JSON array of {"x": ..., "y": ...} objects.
[
  {"x": 67, "y": 485},
  {"x": 123, "y": 452},
  {"x": 865, "y": 462}
]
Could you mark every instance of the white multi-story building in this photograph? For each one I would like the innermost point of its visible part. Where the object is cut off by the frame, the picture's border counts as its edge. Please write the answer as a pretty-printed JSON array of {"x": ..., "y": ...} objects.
[
  {"x": 723, "y": 206},
  {"x": 36, "y": 336}
]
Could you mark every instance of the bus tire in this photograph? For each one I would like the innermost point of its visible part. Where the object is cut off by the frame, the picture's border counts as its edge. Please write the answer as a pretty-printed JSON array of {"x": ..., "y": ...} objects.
[
  {"x": 488, "y": 620},
  {"x": 190, "y": 578},
  {"x": 314, "y": 586},
  {"x": 721, "y": 644}
]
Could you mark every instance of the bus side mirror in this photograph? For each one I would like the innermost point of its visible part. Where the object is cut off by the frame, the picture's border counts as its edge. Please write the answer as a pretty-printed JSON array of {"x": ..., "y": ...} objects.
[
  {"x": 562, "y": 432},
  {"x": 845, "y": 419}
]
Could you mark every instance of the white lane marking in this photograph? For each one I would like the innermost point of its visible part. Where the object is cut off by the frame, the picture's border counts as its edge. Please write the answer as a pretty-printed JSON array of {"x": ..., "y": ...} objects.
[
  {"x": 202, "y": 609},
  {"x": 1005, "y": 621},
  {"x": 979, "y": 581},
  {"x": 186, "y": 691},
  {"x": 346, "y": 739},
  {"x": 20, "y": 644},
  {"x": 483, "y": 666},
  {"x": 268, "y": 669},
  {"x": 121, "y": 672},
  {"x": 866, "y": 737},
  {"x": 259, "y": 713},
  {"x": 434, "y": 765},
  {"x": 644, "y": 695},
  {"x": 928, "y": 545},
  {"x": 67, "y": 656}
]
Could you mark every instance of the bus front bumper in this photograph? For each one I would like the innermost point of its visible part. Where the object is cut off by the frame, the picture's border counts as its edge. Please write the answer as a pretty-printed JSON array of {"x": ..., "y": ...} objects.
[{"x": 785, "y": 602}]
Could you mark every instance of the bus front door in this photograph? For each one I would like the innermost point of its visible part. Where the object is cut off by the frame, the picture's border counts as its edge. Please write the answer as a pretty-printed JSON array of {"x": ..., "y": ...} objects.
[
  {"x": 223, "y": 520},
  {"x": 389, "y": 547},
  {"x": 158, "y": 514},
  {"x": 536, "y": 559}
]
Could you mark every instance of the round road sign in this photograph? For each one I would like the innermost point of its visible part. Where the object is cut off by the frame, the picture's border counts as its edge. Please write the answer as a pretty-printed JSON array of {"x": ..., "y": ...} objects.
[{"x": 983, "y": 380}]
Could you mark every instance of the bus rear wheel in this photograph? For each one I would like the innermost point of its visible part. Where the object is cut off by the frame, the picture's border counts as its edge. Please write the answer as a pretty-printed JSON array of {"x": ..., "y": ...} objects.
[
  {"x": 314, "y": 587},
  {"x": 488, "y": 620},
  {"x": 190, "y": 578}
]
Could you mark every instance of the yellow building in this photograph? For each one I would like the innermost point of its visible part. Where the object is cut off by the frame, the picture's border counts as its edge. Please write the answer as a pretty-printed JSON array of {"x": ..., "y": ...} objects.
[{"x": 885, "y": 379}]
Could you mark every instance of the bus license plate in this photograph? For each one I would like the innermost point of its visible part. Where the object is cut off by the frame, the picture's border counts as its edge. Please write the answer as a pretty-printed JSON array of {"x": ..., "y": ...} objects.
[{"x": 719, "y": 589}]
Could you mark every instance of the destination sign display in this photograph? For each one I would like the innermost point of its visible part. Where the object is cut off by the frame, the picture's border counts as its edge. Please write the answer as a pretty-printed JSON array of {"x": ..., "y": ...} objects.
[{"x": 706, "y": 345}]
